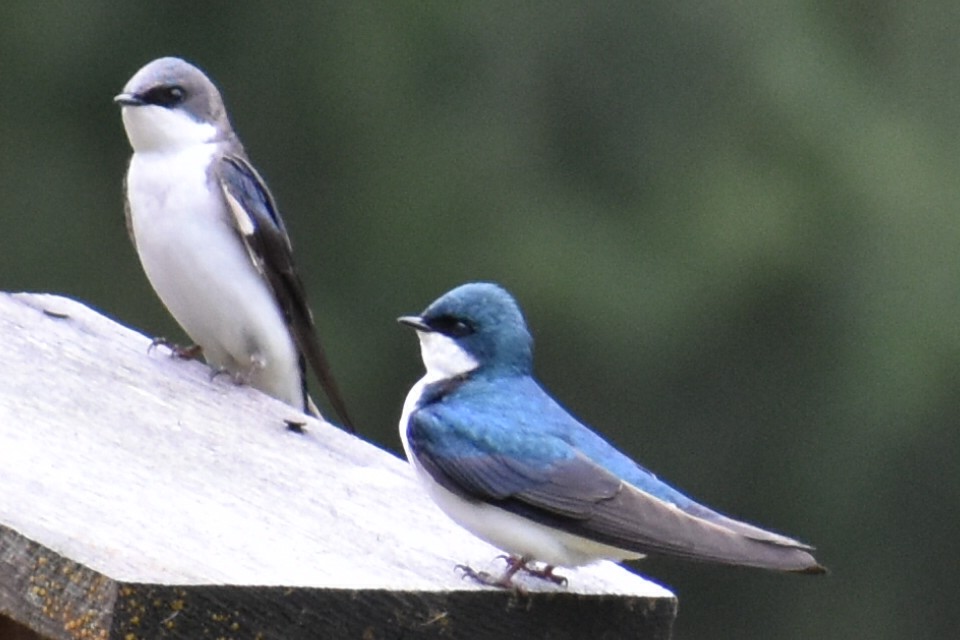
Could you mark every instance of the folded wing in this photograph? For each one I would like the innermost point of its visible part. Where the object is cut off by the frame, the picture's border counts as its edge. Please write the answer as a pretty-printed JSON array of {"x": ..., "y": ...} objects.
[
  {"x": 258, "y": 222},
  {"x": 543, "y": 478}
]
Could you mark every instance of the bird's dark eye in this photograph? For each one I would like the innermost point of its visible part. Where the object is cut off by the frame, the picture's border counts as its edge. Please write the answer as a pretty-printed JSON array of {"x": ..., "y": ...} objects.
[
  {"x": 451, "y": 326},
  {"x": 165, "y": 96}
]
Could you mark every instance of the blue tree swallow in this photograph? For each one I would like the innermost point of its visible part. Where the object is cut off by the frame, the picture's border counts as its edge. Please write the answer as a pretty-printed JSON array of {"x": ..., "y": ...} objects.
[
  {"x": 505, "y": 461},
  {"x": 210, "y": 237}
]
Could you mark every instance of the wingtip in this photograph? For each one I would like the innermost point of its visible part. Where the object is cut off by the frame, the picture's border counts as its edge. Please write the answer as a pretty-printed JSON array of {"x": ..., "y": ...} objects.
[
  {"x": 345, "y": 419},
  {"x": 813, "y": 570}
]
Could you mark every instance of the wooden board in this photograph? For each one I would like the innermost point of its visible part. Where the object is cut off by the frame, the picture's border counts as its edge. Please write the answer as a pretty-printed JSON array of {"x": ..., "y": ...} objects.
[{"x": 140, "y": 497}]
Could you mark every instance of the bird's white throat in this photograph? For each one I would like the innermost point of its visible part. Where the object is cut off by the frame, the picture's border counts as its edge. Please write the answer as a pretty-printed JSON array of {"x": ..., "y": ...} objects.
[
  {"x": 154, "y": 128},
  {"x": 442, "y": 357}
]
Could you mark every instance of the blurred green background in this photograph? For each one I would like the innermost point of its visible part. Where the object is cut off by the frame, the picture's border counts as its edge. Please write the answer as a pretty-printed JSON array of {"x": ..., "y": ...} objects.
[{"x": 733, "y": 227}]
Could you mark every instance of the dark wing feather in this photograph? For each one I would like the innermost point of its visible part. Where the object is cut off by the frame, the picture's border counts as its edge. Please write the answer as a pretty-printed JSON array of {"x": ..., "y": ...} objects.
[
  {"x": 544, "y": 479},
  {"x": 635, "y": 520},
  {"x": 126, "y": 211},
  {"x": 259, "y": 224}
]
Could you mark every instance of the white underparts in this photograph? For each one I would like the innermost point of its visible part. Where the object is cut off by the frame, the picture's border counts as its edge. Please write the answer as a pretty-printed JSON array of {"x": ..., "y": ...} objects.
[
  {"x": 200, "y": 268},
  {"x": 154, "y": 128},
  {"x": 442, "y": 357},
  {"x": 516, "y": 535}
]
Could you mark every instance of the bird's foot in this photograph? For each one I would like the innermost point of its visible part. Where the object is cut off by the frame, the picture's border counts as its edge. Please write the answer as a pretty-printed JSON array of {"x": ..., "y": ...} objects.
[
  {"x": 504, "y": 581},
  {"x": 237, "y": 377},
  {"x": 193, "y": 352},
  {"x": 244, "y": 375},
  {"x": 545, "y": 574},
  {"x": 516, "y": 563}
]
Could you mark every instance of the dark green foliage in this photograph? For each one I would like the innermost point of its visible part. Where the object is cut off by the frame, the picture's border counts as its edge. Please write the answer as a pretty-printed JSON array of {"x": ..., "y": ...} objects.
[{"x": 734, "y": 229}]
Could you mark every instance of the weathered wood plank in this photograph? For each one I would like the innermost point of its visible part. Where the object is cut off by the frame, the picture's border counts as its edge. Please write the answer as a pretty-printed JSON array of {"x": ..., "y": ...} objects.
[{"x": 141, "y": 498}]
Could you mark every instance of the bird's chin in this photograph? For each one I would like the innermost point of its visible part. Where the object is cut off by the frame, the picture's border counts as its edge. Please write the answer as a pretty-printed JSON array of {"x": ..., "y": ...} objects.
[
  {"x": 443, "y": 357},
  {"x": 153, "y": 128}
]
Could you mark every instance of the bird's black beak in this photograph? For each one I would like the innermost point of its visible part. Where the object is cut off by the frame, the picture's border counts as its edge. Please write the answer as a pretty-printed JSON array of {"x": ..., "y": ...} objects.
[
  {"x": 128, "y": 100},
  {"x": 414, "y": 321}
]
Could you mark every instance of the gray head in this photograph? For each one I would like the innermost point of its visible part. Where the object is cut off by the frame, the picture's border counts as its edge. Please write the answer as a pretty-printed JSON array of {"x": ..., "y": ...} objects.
[
  {"x": 477, "y": 325},
  {"x": 170, "y": 104}
]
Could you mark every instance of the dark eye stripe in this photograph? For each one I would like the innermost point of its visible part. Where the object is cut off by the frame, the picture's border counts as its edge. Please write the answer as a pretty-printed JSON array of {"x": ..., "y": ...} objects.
[
  {"x": 451, "y": 326},
  {"x": 165, "y": 96}
]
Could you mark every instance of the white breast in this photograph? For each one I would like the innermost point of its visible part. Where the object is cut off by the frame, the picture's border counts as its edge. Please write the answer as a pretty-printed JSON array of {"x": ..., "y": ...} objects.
[
  {"x": 502, "y": 529},
  {"x": 199, "y": 268}
]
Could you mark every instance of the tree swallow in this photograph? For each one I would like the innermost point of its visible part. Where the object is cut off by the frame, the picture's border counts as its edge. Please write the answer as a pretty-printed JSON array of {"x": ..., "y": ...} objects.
[
  {"x": 505, "y": 461},
  {"x": 211, "y": 239}
]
